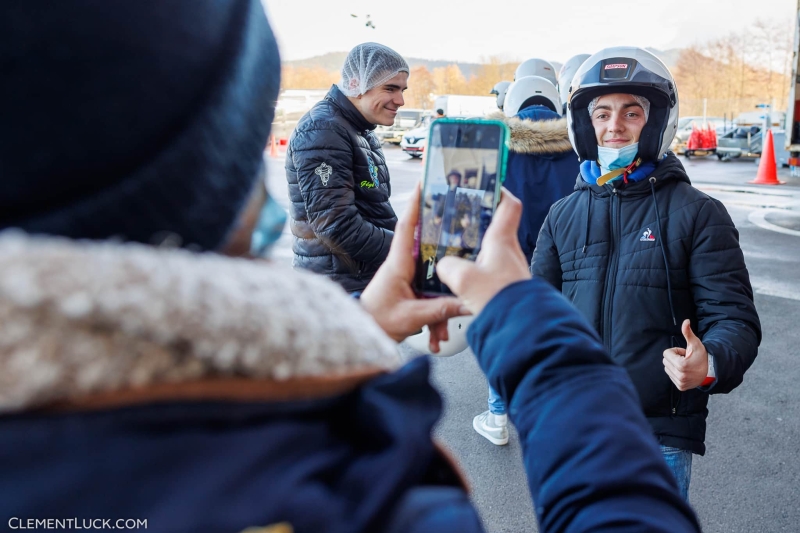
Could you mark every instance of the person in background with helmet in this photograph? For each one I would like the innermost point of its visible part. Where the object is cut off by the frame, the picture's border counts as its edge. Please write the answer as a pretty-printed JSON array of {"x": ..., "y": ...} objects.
[
  {"x": 565, "y": 75},
  {"x": 653, "y": 263},
  {"x": 500, "y": 89},
  {"x": 339, "y": 185},
  {"x": 536, "y": 67},
  {"x": 541, "y": 170}
]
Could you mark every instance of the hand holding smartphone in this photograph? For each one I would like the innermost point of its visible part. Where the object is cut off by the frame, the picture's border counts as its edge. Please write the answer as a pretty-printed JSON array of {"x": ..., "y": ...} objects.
[{"x": 464, "y": 172}]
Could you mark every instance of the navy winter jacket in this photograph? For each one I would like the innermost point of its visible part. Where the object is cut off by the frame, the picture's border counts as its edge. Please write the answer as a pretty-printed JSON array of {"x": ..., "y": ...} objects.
[
  {"x": 637, "y": 260},
  {"x": 350, "y": 454},
  {"x": 541, "y": 167},
  {"x": 339, "y": 187},
  {"x": 591, "y": 462}
]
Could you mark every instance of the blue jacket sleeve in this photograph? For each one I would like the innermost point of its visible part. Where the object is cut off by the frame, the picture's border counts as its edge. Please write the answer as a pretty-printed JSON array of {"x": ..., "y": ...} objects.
[
  {"x": 330, "y": 203},
  {"x": 590, "y": 456},
  {"x": 728, "y": 323}
]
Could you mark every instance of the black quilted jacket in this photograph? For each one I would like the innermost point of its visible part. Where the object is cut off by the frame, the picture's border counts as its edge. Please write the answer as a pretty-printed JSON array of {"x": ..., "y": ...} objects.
[
  {"x": 339, "y": 188},
  {"x": 606, "y": 249}
]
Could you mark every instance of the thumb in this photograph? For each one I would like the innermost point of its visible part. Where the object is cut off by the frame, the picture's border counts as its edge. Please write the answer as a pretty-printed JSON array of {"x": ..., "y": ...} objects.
[
  {"x": 434, "y": 310},
  {"x": 688, "y": 334},
  {"x": 505, "y": 221},
  {"x": 453, "y": 271}
]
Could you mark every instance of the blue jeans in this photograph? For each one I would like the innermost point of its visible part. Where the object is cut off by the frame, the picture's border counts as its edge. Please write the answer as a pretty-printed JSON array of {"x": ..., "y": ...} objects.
[
  {"x": 680, "y": 464},
  {"x": 496, "y": 404}
]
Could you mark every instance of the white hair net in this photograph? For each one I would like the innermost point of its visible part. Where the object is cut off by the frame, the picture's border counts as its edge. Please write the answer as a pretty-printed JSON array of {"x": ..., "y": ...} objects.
[
  {"x": 641, "y": 100},
  {"x": 367, "y": 66}
]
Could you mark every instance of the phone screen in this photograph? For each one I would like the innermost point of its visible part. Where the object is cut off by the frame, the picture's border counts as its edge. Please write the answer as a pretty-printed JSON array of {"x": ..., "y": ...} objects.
[{"x": 463, "y": 175}]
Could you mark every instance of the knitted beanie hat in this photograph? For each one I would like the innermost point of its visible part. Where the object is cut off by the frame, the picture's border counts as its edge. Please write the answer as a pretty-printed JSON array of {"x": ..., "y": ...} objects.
[{"x": 133, "y": 120}]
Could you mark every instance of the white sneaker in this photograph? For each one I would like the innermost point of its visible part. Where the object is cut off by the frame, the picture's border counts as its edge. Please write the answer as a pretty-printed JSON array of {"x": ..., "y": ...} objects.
[{"x": 493, "y": 427}]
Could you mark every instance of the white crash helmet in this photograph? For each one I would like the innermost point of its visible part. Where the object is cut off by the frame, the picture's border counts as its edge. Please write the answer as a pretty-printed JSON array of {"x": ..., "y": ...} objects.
[
  {"x": 500, "y": 88},
  {"x": 456, "y": 331},
  {"x": 531, "y": 90},
  {"x": 631, "y": 70},
  {"x": 536, "y": 67},
  {"x": 565, "y": 76}
]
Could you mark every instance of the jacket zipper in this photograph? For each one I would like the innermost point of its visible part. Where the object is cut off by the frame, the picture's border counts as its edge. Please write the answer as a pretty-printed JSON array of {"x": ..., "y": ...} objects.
[
  {"x": 613, "y": 260},
  {"x": 673, "y": 402}
]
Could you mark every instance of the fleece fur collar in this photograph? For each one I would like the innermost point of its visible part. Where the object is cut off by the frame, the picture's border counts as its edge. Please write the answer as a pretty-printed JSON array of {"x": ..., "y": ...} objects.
[
  {"x": 84, "y": 319},
  {"x": 539, "y": 137}
]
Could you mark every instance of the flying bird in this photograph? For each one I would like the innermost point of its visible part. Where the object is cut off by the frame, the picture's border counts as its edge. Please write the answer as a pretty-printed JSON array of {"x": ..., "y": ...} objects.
[{"x": 368, "y": 24}]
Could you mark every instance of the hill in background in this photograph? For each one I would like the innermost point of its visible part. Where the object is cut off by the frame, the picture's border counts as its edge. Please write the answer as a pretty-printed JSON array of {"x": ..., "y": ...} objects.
[{"x": 333, "y": 61}]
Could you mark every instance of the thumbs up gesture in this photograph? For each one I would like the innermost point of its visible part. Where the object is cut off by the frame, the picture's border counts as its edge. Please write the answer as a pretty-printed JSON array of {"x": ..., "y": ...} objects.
[{"x": 687, "y": 368}]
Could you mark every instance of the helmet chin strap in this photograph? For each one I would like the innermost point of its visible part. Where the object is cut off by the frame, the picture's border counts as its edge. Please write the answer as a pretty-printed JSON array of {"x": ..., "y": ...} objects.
[{"x": 605, "y": 178}]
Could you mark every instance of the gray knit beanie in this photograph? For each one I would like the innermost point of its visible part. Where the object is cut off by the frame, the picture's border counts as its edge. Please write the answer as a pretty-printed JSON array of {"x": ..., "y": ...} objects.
[{"x": 133, "y": 120}]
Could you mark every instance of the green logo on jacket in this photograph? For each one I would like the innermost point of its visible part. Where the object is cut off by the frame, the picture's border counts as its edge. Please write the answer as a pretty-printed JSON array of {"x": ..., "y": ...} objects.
[{"x": 373, "y": 171}]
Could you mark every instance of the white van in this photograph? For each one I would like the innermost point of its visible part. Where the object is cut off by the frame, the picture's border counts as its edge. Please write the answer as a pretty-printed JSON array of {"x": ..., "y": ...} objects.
[
  {"x": 464, "y": 106},
  {"x": 453, "y": 106}
]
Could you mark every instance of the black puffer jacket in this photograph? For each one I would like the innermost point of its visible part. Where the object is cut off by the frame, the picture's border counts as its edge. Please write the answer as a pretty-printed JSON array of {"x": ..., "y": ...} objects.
[
  {"x": 339, "y": 187},
  {"x": 605, "y": 248}
]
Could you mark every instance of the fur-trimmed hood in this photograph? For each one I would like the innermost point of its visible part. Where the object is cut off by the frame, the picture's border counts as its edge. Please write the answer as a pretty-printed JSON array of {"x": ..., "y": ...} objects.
[
  {"x": 536, "y": 137},
  {"x": 80, "y": 320}
]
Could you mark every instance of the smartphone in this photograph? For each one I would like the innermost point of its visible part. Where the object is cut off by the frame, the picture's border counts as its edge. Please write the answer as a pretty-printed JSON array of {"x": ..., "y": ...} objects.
[{"x": 464, "y": 171}]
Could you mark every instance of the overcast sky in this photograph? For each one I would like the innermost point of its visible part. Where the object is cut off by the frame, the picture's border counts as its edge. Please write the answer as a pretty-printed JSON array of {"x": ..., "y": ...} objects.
[{"x": 469, "y": 30}]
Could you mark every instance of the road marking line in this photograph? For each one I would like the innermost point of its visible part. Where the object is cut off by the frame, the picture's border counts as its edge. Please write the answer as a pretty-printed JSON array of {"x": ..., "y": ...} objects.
[
  {"x": 767, "y": 287},
  {"x": 759, "y": 219}
]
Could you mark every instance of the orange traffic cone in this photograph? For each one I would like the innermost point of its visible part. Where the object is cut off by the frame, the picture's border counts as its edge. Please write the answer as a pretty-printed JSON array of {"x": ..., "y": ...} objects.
[
  {"x": 767, "y": 169},
  {"x": 273, "y": 150}
]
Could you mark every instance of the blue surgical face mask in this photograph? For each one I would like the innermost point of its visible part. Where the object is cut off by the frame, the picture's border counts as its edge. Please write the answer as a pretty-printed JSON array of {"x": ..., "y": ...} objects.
[
  {"x": 613, "y": 158},
  {"x": 268, "y": 228}
]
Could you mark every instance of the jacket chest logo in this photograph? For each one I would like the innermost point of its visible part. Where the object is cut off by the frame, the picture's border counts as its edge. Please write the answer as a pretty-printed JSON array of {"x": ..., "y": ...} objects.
[
  {"x": 324, "y": 173},
  {"x": 647, "y": 236},
  {"x": 373, "y": 171}
]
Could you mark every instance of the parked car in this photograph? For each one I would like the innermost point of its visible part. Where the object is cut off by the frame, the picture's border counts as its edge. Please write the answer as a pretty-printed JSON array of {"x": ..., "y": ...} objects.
[
  {"x": 405, "y": 120},
  {"x": 414, "y": 141}
]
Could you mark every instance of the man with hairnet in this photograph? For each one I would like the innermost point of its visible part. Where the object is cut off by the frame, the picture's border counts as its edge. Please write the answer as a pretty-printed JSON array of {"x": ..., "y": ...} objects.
[{"x": 339, "y": 186}]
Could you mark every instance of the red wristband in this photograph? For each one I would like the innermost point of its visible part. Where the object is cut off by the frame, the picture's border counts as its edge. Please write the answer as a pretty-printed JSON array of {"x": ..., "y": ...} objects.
[{"x": 708, "y": 381}]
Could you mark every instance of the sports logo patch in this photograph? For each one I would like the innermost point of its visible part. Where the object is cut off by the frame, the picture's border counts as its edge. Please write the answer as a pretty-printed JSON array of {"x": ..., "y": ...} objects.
[
  {"x": 373, "y": 171},
  {"x": 647, "y": 236},
  {"x": 615, "y": 65},
  {"x": 324, "y": 173}
]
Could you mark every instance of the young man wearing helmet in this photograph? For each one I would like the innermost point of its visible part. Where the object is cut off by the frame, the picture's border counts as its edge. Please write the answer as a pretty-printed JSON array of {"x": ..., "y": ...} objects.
[
  {"x": 541, "y": 170},
  {"x": 338, "y": 180},
  {"x": 653, "y": 263}
]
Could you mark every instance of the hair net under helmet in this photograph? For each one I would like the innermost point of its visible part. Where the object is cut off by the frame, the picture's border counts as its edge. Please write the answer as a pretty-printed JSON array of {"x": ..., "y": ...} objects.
[
  {"x": 626, "y": 70},
  {"x": 641, "y": 100},
  {"x": 369, "y": 65}
]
